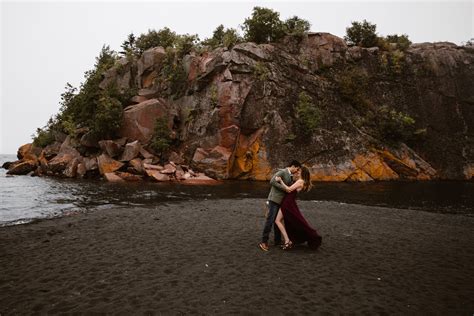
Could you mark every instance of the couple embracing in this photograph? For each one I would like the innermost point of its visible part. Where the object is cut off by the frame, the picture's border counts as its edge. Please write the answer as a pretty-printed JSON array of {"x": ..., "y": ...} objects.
[{"x": 283, "y": 212}]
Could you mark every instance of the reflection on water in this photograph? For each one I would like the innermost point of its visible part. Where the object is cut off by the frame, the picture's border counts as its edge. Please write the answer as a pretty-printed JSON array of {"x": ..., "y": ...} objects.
[{"x": 24, "y": 198}]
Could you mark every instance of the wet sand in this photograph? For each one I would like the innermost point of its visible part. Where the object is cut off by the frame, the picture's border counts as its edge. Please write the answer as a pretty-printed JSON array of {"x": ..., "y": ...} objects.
[{"x": 202, "y": 257}]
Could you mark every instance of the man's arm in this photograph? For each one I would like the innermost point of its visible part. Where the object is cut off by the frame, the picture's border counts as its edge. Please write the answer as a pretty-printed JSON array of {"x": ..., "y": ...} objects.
[
  {"x": 276, "y": 184},
  {"x": 295, "y": 186}
]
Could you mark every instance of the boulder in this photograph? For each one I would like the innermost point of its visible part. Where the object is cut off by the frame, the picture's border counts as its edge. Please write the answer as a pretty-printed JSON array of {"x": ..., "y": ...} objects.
[
  {"x": 146, "y": 154},
  {"x": 168, "y": 169},
  {"x": 139, "y": 119},
  {"x": 89, "y": 140},
  {"x": 131, "y": 151},
  {"x": 112, "y": 177},
  {"x": 51, "y": 150},
  {"x": 121, "y": 141},
  {"x": 110, "y": 147},
  {"x": 201, "y": 178},
  {"x": 7, "y": 164},
  {"x": 43, "y": 164},
  {"x": 81, "y": 170},
  {"x": 176, "y": 158},
  {"x": 136, "y": 164},
  {"x": 90, "y": 163},
  {"x": 151, "y": 58},
  {"x": 107, "y": 164},
  {"x": 63, "y": 158},
  {"x": 157, "y": 175},
  {"x": 214, "y": 162},
  {"x": 138, "y": 99},
  {"x": 151, "y": 166},
  {"x": 59, "y": 163},
  {"x": 28, "y": 149},
  {"x": 128, "y": 176},
  {"x": 22, "y": 168},
  {"x": 71, "y": 168}
]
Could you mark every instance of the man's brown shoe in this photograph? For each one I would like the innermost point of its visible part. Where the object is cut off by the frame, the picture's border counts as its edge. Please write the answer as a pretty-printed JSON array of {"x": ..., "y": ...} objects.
[{"x": 263, "y": 246}]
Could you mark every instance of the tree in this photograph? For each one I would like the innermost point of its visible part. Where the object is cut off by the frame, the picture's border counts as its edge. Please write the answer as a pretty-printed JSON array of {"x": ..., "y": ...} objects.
[
  {"x": 296, "y": 26},
  {"x": 160, "y": 140},
  {"x": 264, "y": 26},
  {"x": 217, "y": 37},
  {"x": 185, "y": 43},
  {"x": 361, "y": 34},
  {"x": 164, "y": 38},
  {"x": 108, "y": 117},
  {"x": 231, "y": 38},
  {"x": 129, "y": 46},
  {"x": 223, "y": 37}
]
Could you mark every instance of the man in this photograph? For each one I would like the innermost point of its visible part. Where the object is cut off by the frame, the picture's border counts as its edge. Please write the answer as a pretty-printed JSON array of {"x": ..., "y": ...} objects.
[{"x": 276, "y": 195}]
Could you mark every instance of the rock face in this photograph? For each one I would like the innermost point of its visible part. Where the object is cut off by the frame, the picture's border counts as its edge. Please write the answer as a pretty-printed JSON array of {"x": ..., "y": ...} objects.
[
  {"x": 239, "y": 113},
  {"x": 139, "y": 120}
]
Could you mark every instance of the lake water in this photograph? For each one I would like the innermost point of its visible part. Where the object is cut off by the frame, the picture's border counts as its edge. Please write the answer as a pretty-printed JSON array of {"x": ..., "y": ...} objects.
[{"x": 25, "y": 198}]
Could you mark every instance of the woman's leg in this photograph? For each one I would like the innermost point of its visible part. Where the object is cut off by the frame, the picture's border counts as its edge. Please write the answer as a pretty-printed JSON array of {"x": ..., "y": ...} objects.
[{"x": 281, "y": 226}]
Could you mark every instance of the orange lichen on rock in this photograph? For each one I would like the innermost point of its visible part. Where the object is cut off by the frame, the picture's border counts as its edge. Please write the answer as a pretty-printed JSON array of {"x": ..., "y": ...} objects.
[
  {"x": 375, "y": 167},
  {"x": 250, "y": 159}
]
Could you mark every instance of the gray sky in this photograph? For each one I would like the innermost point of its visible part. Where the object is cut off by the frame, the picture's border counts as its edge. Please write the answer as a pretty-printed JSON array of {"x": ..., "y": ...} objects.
[{"x": 46, "y": 44}]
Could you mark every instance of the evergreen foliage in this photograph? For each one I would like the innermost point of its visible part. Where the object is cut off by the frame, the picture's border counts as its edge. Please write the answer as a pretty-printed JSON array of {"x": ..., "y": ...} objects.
[
  {"x": 362, "y": 34},
  {"x": 223, "y": 37},
  {"x": 402, "y": 42},
  {"x": 307, "y": 113},
  {"x": 160, "y": 141}
]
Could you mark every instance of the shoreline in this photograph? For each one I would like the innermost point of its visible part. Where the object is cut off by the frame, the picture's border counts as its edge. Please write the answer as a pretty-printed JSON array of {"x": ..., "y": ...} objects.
[{"x": 202, "y": 257}]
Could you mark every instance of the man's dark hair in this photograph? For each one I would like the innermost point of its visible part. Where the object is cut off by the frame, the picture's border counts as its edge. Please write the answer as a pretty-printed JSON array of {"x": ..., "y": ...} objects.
[{"x": 295, "y": 163}]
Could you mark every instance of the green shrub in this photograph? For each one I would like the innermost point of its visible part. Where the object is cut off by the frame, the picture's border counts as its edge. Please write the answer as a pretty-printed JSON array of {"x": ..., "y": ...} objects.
[
  {"x": 353, "y": 86},
  {"x": 383, "y": 44},
  {"x": 164, "y": 38},
  {"x": 393, "y": 126},
  {"x": 290, "y": 138},
  {"x": 223, "y": 37},
  {"x": 185, "y": 44},
  {"x": 43, "y": 137},
  {"x": 214, "y": 99},
  {"x": 308, "y": 115},
  {"x": 296, "y": 27},
  {"x": 173, "y": 75},
  {"x": 160, "y": 141},
  {"x": 231, "y": 38},
  {"x": 362, "y": 34},
  {"x": 261, "y": 71},
  {"x": 402, "y": 42},
  {"x": 108, "y": 117},
  {"x": 392, "y": 62}
]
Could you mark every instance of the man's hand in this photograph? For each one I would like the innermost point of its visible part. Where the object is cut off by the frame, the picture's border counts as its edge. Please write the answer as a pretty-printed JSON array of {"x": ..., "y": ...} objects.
[{"x": 278, "y": 179}]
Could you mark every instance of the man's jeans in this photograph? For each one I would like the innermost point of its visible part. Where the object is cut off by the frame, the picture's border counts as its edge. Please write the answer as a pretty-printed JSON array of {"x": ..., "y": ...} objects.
[{"x": 272, "y": 214}]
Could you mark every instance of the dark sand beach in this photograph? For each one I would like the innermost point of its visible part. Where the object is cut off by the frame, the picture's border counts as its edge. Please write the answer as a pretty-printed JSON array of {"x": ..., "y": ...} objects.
[{"x": 201, "y": 257}]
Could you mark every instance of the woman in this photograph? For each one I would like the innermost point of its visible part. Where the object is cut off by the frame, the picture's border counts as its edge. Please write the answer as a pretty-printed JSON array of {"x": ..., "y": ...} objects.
[{"x": 291, "y": 222}]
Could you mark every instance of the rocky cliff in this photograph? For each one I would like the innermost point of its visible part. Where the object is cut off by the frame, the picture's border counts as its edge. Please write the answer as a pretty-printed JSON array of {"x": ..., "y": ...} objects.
[{"x": 237, "y": 115}]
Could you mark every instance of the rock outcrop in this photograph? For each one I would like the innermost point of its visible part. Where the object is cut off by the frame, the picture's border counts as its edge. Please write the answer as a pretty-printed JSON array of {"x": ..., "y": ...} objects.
[{"x": 238, "y": 115}]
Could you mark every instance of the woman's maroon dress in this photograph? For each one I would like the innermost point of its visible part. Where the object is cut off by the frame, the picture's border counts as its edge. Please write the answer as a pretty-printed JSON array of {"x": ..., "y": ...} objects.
[{"x": 298, "y": 229}]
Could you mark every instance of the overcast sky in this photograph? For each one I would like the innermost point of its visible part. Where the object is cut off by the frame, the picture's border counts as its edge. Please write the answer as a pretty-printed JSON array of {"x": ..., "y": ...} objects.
[{"x": 46, "y": 44}]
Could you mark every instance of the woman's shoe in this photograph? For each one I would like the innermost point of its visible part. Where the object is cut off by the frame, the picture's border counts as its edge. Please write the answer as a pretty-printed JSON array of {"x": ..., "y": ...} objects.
[{"x": 287, "y": 245}]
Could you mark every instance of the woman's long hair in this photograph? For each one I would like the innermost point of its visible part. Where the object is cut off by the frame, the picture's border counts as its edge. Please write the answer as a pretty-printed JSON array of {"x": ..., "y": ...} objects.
[{"x": 306, "y": 176}]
